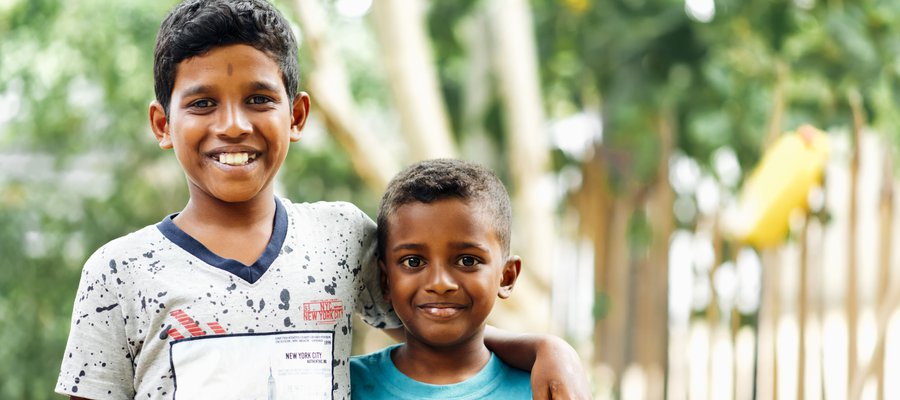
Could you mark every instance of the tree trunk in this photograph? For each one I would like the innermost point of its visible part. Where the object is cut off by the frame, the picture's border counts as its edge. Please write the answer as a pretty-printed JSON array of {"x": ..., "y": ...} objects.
[
  {"x": 856, "y": 109},
  {"x": 415, "y": 88},
  {"x": 477, "y": 95},
  {"x": 653, "y": 346},
  {"x": 886, "y": 211},
  {"x": 330, "y": 94},
  {"x": 519, "y": 84},
  {"x": 593, "y": 203},
  {"x": 615, "y": 329}
]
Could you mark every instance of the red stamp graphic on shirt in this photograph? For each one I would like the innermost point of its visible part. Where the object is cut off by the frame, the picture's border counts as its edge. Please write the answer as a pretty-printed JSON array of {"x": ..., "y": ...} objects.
[{"x": 323, "y": 311}]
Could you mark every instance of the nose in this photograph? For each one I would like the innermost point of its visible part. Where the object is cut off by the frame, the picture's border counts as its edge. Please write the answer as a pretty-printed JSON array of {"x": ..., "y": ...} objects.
[
  {"x": 232, "y": 122},
  {"x": 441, "y": 280}
]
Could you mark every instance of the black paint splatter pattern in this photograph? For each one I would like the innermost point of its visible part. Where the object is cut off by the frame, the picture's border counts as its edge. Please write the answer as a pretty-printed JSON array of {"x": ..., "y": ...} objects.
[{"x": 142, "y": 291}]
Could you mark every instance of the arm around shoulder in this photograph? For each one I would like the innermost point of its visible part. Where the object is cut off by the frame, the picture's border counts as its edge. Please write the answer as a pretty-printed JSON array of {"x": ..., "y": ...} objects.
[{"x": 556, "y": 370}]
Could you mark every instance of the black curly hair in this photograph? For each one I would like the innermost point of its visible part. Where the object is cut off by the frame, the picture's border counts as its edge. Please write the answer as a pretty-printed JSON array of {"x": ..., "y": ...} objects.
[
  {"x": 194, "y": 27},
  {"x": 438, "y": 179}
]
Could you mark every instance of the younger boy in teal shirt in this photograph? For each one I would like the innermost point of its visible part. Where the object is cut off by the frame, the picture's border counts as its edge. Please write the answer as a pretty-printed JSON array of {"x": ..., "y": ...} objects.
[{"x": 443, "y": 245}]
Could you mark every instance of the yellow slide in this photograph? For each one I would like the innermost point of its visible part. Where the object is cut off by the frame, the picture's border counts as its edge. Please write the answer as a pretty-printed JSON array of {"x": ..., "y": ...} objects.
[{"x": 781, "y": 182}]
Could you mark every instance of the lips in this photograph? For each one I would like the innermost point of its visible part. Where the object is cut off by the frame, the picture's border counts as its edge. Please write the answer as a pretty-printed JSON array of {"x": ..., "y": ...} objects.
[
  {"x": 441, "y": 310},
  {"x": 234, "y": 156}
]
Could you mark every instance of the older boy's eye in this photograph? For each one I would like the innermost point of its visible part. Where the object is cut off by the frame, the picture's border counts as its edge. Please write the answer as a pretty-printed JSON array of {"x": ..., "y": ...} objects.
[
  {"x": 259, "y": 100},
  {"x": 468, "y": 261},
  {"x": 412, "y": 262}
]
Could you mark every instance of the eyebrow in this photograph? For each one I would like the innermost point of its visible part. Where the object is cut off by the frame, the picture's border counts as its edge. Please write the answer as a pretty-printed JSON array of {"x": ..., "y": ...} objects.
[
  {"x": 262, "y": 85},
  {"x": 195, "y": 90},
  {"x": 468, "y": 245},
  {"x": 203, "y": 89},
  {"x": 455, "y": 245},
  {"x": 407, "y": 246}
]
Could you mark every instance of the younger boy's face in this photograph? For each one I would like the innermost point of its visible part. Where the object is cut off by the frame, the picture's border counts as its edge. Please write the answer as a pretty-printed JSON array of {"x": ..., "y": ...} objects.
[
  {"x": 230, "y": 122},
  {"x": 444, "y": 268}
]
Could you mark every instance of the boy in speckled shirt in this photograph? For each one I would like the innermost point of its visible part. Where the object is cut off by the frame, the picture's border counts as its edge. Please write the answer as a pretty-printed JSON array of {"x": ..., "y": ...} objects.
[{"x": 241, "y": 294}]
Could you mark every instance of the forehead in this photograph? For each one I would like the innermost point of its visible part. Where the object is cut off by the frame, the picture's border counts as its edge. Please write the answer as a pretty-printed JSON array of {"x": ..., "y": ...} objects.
[
  {"x": 446, "y": 219},
  {"x": 230, "y": 65}
]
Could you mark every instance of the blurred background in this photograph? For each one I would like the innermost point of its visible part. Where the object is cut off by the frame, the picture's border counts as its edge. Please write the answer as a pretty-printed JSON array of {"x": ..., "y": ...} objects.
[{"x": 677, "y": 225}]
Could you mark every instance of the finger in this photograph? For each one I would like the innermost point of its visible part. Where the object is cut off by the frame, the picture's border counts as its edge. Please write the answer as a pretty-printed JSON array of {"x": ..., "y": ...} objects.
[
  {"x": 540, "y": 392},
  {"x": 558, "y": 391}
]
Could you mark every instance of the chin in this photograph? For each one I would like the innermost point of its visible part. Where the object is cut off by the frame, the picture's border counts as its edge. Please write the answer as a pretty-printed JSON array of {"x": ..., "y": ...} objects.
[
  {"x": 235, "y": 196},
  {"x": 444, "y": 340}
]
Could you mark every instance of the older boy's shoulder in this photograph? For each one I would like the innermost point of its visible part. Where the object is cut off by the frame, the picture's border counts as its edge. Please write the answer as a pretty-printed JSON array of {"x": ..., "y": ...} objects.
[
  {"x": 141, "y": 243},
  {"x": 330, "y": 210}
]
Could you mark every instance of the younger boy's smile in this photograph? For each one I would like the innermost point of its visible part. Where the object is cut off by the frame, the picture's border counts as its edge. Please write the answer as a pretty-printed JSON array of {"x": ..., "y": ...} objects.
[
  {"x": 441, "y": 310},
  {"x": 444, "y": 267}
]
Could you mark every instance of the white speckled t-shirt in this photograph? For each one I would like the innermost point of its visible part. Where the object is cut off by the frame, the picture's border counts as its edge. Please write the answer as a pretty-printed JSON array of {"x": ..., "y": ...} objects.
[{"x": 157, "y": 315}]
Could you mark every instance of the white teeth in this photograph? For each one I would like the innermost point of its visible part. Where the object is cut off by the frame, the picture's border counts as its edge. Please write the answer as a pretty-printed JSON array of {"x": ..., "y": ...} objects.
[
  {"x": 441, "y": 311},
  {"x": 236, "y": 158}
]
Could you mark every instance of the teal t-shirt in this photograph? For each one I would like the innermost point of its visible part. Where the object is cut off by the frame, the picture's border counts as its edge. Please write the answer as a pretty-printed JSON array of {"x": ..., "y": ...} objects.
[{"x": 374, "y": 377}]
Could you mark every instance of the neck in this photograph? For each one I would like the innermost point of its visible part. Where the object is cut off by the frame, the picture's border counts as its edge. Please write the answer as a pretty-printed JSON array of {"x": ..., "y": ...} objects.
[
  {"x": 212, "y": 212},
  {"x": 441, "y": 365}
]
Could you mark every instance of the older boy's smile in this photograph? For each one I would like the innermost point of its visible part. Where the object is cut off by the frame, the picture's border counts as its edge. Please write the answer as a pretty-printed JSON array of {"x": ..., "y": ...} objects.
[
  {"x": 235, "y": 158},
  {"x": 230, "y": 122}
]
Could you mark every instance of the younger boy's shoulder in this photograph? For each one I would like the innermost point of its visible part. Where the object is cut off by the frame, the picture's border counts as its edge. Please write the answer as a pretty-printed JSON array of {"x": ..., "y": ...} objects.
[
  {"x": 503, "y": 381},
  {"x": 373, "y": 361},
  {"x": 369, "y": 372}
]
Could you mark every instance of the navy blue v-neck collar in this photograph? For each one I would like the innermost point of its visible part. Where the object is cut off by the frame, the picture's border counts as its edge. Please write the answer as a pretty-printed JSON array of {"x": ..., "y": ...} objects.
[{"x": 249, "y": 273}]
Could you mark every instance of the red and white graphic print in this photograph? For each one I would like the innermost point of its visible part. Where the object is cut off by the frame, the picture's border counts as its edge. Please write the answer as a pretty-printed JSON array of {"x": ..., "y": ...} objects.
[
  {"x": 190, "y": 324},
  {"x": 323, "y": 311}
]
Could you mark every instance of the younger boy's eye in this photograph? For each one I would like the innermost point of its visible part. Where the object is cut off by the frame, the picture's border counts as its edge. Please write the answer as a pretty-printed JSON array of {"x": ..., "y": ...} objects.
[
  {"x": 468, "y": 261},
  {"x": 202, "y": 103},
  {"x": 412, "y": 262}
]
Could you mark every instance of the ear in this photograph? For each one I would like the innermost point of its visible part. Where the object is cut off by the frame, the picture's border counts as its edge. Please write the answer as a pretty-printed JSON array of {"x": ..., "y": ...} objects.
[
  {"x": 508, "y": 276},
  {"x": 299, "y": 113},
  {"x": 159, "y": 123},
  {"x": 385, "y": 286}
]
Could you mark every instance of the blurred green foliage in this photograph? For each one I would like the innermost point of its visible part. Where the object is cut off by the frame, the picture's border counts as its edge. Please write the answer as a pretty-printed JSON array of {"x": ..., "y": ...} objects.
[{"x": 75, "y": 77}]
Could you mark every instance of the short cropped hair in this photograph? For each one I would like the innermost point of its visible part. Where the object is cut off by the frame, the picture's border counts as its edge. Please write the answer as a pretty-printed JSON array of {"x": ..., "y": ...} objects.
[
  {"x": 195, "y": 27},
  {"x": 439, "y": 179}
]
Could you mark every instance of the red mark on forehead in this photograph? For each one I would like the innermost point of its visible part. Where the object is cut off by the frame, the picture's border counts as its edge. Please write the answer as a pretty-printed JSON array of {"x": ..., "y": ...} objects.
[{"x": 230, "y": 69}]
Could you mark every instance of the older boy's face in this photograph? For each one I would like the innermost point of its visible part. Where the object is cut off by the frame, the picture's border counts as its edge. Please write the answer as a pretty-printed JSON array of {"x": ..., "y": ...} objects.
[
  {"x": 230, "y": 122},
  {"x": 444, "y": 267}
]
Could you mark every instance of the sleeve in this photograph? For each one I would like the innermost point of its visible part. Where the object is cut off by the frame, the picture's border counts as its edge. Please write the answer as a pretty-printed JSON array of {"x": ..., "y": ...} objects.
[
  {"x": 97, "y": 363},
  {"x": 371, "y": 304}
]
